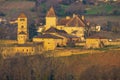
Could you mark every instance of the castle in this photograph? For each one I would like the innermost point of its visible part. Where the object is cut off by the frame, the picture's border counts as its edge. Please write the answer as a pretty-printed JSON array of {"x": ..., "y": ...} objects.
[
  {"x": 61, "y": 32},
  {"x": 55, "y": 33}
]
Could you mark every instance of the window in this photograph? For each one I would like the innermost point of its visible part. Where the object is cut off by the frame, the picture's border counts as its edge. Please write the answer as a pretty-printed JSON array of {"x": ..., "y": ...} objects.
[
  {"x": 32, "y": 49},
  {"x": 22, "y": 26},
  {"x": 22, "y": 19}
]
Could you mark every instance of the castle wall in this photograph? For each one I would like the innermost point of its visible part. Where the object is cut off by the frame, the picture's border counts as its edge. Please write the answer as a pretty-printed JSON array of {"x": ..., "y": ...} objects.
[
  {"x": 14, "y": 50},
  {"x": 49, "y": 43},
  {"x": 93, "y": 43},
  {"x": 114, "y": 43},
  {"x": 8, "y": 41},
  {"x": 69, "y": 30}
]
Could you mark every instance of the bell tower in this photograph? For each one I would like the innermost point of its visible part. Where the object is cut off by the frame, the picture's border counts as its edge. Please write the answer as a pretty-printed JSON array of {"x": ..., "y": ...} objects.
[
  {"x": 22, "y": 31},
  {"x": 51, "y": 19}
]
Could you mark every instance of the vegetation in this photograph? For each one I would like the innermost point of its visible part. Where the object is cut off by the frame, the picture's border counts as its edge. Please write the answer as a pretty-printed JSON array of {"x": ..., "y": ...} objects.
[
  {"x": 101, "y": 9},
  {"x": 104, "y": 66}
]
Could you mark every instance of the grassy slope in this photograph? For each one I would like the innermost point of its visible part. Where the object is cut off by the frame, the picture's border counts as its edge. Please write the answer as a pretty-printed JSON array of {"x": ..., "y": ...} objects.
[
  {"x": 103, "y": 8},
  {"x": 63, "y": 66},
  {"x": 13, "y": 8},
  {"x": 103, "y": 19}
]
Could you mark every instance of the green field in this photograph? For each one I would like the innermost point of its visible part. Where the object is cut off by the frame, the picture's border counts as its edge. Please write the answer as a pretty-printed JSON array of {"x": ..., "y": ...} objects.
[{"x": 100, "y": 9}]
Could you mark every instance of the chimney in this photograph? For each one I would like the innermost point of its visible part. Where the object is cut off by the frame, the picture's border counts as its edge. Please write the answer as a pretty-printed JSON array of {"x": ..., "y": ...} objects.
[
  {"x": 74, "y": 15},
  {"x": 67, "y": 17},
  {"x": 83, "y": 17},
  {"x": 88, "y": 23}
]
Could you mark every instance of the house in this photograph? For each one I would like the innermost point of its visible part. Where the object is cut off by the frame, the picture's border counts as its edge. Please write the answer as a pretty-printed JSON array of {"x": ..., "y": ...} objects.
[
  {"x": 50, "y": 41},
  {"x": 67, "y": 38}
]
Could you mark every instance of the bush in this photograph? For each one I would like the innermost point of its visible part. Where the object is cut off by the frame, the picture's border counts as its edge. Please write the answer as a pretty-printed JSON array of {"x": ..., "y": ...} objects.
[{"x": 2, "y": 14}]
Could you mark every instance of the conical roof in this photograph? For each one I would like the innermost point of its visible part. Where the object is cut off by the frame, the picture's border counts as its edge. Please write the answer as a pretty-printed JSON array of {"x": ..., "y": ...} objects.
[
  {"x": 51, "y": 13},
  {"x": 22, "y": 15},
  {"x": 76, "y": 22}
]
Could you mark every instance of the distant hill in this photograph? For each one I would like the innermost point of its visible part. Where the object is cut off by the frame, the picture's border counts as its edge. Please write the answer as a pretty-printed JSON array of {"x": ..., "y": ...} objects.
[{"x": 90, "y": 7}]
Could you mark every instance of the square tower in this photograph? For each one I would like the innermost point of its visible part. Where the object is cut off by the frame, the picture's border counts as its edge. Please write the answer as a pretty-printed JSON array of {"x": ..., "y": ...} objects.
[{"x": 22, "y": 28}]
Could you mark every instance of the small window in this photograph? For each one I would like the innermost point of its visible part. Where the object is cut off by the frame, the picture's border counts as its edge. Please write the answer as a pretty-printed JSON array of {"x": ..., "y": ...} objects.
[
  {"x": 22, "y": 19},
  {"x": 32, "y": 49},
  {"x": 22, "y": 26},
  {"x": 27, "y": 50}
]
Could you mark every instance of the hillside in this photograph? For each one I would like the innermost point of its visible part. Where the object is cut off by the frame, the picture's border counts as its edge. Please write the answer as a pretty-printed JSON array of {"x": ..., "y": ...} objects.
[
  {"x": 12, "y": 9},
  {"x": 103, "y": 66}
]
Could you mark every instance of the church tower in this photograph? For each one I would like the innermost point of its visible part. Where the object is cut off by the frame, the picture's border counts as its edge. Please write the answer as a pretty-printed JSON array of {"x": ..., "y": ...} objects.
[
  {"x": 22, "y": 31},
  {"x": 51, "y": 19}
]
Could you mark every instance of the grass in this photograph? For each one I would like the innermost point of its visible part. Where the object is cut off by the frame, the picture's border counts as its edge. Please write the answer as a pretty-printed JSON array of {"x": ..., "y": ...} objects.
[
  {"x": 103, "y": 8},
  {"x": 64, "y": 6}
]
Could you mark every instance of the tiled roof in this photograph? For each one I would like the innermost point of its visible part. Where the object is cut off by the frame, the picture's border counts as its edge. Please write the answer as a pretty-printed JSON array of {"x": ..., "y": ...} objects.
[
  {"x": 22, "y": 15},
  {"x": 48, "y": 36},
  {"x": 67, "y": 35},
  {"x": 63, "y": 21},
  {"x": 75, "y": 31},
  {"x": 54, "y": 30},
  {"x": 51, "y": 13},
  {"x": 76, "y": 22}
]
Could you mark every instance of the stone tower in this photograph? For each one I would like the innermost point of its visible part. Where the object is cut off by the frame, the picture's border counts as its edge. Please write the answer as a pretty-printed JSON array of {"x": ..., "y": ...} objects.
[
  {"x": 51, "y": 19},
  {"x": 22, "y": 31}
]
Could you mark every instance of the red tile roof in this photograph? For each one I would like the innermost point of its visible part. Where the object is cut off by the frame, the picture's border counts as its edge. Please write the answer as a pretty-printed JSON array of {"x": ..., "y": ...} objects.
[
  {"x": 76, "y": 22},
  {"x": 22, "y": 15},
  {"x": 63, "y": 21}
]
